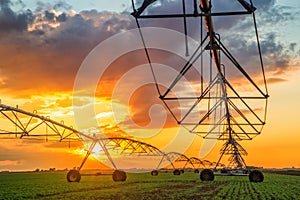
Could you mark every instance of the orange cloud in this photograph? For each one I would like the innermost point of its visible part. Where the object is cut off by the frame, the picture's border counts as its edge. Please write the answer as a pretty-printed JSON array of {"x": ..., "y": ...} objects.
[
  {"x": 5, "y": 163},
  {"x": 276, "y": 80}
]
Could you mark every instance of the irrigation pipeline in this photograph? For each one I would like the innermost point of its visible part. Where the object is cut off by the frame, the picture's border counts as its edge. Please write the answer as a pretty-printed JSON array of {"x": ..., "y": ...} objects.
[
  {"x": 9, "y": 108},
  {"x": 205, "y": 7},
  {"x": 4, "y": 108}
]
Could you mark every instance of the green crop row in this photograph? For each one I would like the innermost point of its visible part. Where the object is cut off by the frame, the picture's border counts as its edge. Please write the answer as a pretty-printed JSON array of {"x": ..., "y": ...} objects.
[{"x": 144, "y": 186}]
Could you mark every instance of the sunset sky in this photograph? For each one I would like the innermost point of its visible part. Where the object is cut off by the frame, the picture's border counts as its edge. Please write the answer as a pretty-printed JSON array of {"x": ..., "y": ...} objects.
[{"x": 47, "y": 49}]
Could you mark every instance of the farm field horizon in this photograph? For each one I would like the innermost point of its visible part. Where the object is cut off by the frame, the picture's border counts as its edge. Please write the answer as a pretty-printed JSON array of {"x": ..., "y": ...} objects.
[{"x": 53, "y": 185}]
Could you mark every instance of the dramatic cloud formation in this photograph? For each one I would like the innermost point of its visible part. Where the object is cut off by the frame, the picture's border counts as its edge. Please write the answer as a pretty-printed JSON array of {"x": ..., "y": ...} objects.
[{"x": 43, "y": 51}]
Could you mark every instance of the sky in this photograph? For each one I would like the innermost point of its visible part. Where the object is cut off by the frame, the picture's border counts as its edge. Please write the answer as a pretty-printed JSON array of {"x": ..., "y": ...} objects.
[{"x": 67, "y": 60}]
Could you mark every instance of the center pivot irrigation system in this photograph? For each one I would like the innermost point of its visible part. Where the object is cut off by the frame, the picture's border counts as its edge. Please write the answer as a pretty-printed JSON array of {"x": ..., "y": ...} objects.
[
  {"x": 231, "y": 103},
  {"x": 16, "y": 123},
  {"x": 224, "y": 111}
]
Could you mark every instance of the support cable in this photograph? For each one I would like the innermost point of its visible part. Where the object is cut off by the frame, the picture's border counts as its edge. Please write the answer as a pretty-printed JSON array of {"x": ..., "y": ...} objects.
[
  {"x": 146, "y": 51},
  {"x": 185, "y": 29},
  {"x": 261, "y": 60},
  {"x": 186, "y": 67},
  {"x": 260, "y": 54},
  {"x": 240, "y": 68}
]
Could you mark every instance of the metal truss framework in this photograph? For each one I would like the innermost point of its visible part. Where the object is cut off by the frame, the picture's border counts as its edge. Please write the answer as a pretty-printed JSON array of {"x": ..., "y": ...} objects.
[
  {"x": 205, "y": 163},
  {"x": 27, "y": 124},
  {"x": 20, "y": 124},
  {"x": 173, "y": 157},
  {"x": 195, "y": 163},
  {"x": 229, "y": 99},
  {"x": 17, "y": 123}
]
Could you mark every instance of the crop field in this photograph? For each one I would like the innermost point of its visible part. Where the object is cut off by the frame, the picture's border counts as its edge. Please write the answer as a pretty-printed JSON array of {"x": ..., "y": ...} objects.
[{"x": 53, "y": 185}]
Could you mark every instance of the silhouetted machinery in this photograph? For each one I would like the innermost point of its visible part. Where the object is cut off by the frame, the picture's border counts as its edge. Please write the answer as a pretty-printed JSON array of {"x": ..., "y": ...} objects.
[
  {"x": 230, "y": 103},
  {"x": 16, "y": 123}
]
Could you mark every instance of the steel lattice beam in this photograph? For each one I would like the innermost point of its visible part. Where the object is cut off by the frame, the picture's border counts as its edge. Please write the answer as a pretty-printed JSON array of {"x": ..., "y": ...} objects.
[{"x": 29, "y": 122}]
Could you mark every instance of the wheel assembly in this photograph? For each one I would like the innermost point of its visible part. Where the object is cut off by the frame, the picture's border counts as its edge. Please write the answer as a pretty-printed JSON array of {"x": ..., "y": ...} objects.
[
  {"x": 207, "y": 175},
  {"x": 73, "y": 176},
  {"x": 196, "y": 171},
  {"x": 256, "y": 176},
  {"x": 154, "y": 173},
  {"x": 119, "y": 176},
  {"x": 176, "y": 172}
]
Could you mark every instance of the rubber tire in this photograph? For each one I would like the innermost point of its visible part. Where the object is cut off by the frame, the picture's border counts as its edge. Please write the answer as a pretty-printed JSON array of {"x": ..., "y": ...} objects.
[
  {"x": 181, "y": 171},
  {"x": 176, "y": 172},
  {"x": 154, "y": 173},
  {"x": 119, "y": 176},
  {"x": 73, "y": 176},
  {"x": 256, "y": 176},
  {"x": 196, "y": 171},
  {"x": 207, "y": 175}
]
